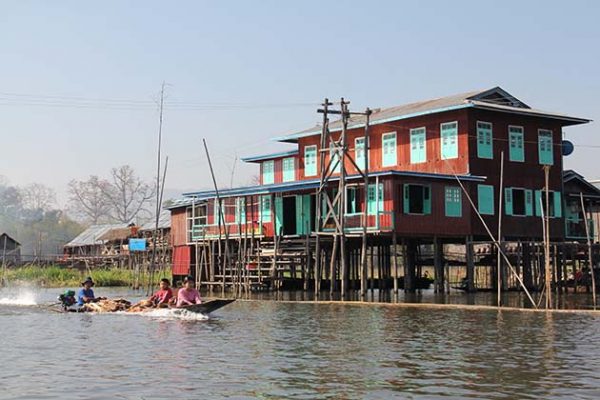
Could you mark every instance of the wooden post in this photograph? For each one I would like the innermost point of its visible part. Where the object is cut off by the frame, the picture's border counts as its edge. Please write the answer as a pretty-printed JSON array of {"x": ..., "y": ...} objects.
[
  {"x": 499, "y": 262},
  {"x": 547, "y": 271},
  {"x": 470, "y": 264},
  {"x": 409, "y": 266},
  {"x": 365, "y": 216},
  {"x": 438, "y": 266},
  {"x": 395, "y": 259}
]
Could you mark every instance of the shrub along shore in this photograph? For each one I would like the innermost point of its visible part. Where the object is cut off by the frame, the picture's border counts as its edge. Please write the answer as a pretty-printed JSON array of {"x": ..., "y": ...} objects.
[{"x": 56, "y": 276}]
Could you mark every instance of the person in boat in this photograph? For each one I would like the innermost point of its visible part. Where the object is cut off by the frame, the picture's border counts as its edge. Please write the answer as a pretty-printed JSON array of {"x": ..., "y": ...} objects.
[
  {"x": 188, "y": 294},
  {"x": 164, "y": 295},
  {"x": 86, "y": 293}
]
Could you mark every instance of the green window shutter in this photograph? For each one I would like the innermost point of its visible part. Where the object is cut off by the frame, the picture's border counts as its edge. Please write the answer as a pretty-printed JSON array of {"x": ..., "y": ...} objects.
[
  {"x": 351, "y": 201},
  {"x": 508, "y": 203},
  {"x": 299, "y": 215},
  {"x": 516, "y": 145},
  {"x": 389, "y": 158},
  {"x": 371, "y": 200},
  {"x": 278, "y": 215},
  {"x": 528, "y": 202},
  {"x": 265, "y": 209},
  {"x": 240, "y": 210},
  {"x": 538, "y": 203},
  {"x": 484, "y": 140},
  {"x": 306, "y": 209},
  {"x": 406, "y": 203},
  {"x": 310, "y": 161},
  {"x": 453, "y": 201},
  {"x": 336, "y": 164},
  {"x": 449, "y": 138},
  {"x": 557, "y": 205},
  {"x": 545, "y": 152},
  {"x": 426, "y": 200},
  {"x": 359, "y": 152},
  {"x": 418, "y": 151},
  {"x": 289, "y": 172},
  {"x": 268, "y": 172},
  {"x": 485, "y": 199}
]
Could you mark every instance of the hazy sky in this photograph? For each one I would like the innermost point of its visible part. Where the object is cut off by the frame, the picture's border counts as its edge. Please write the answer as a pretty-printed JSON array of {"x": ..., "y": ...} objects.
[{"x": 78, "y": 80}]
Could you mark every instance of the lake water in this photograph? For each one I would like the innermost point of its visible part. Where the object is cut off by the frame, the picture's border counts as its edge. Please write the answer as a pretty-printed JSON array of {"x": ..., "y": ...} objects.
[{"x": 274, "y": 350}]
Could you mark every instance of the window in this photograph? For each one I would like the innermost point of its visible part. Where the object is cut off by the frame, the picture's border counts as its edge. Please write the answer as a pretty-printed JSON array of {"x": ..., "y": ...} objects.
[
  {"x": 375, "y": 199},
  {"x": 351, "y": 201},
  {"x": 359, "y": 153},
  {"x": 485, "y": 199},
  {"x": 418, "y": 151},
  {"x": 240, "y": 210},
  {"x": 310, "y": 161},
  {"x": 449, "y": 137},
  {"x": 485, "y": 147},
  {"x": 545, "y": 147},
  {"x": 555, "y": 209},
  {"x": 268, "y": 172},
  {"x": 265, "y": 208},
  {"x": 389, "y": 149},
  {"x": 518, "y": 202},
  {"x": 289, "y": 170},
  {"x": 417, "y": 199},
  {"x": 453, "y": 200},
  {"x": 516, "y": 146},
  {"x": 334, "y": 156}
]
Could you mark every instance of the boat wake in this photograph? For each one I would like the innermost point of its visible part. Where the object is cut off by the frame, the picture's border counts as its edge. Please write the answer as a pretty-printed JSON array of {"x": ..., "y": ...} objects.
[
  {"x": 173, "y": 313},
  {"x": 24, "y": 298}
]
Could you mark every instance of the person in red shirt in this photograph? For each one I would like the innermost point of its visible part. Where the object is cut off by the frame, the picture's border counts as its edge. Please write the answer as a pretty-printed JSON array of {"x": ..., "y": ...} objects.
[{"x": 162, "y": 297}]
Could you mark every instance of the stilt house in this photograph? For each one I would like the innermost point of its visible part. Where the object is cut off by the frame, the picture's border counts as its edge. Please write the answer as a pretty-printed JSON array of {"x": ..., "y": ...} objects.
[{"x": 434, "y": 172}]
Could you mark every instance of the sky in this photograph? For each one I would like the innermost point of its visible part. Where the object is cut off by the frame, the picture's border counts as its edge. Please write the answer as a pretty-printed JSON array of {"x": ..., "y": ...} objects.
[{"x": 79, "y": 81}]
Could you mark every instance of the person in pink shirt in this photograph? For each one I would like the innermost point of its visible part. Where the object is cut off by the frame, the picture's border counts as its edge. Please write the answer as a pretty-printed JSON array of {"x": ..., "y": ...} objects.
[{"x": 188, "y": 294}]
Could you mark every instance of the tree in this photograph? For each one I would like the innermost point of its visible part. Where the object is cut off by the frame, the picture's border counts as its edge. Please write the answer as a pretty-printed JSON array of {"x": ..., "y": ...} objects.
[
  {"x": 37, "y": 196},
  {"x": 89, "y": 200},
  {"x": 128, "y": 195}
]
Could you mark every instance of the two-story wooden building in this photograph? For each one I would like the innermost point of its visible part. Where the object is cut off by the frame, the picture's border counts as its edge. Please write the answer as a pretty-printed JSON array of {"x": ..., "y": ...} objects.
[{"x": 434, "y": 168}]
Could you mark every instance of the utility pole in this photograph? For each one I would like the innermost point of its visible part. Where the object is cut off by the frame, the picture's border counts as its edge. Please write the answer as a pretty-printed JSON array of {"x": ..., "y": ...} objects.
[{"x": 547, "y": 239}]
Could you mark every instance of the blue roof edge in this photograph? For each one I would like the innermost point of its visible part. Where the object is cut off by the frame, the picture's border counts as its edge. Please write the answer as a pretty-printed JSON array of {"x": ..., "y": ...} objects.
[{"x": 269, "y": 156}]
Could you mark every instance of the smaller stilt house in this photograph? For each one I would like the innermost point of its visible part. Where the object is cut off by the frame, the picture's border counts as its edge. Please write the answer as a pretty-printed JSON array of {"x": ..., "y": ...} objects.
[
  {"x": 10, "y": 250},
  {"x": 576, "y": 187},
  {"x": 94, "y": 241}
]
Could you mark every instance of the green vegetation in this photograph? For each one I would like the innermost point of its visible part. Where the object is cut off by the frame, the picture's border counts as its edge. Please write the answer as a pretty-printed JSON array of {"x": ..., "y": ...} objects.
[{"x": 56, "y": 276}]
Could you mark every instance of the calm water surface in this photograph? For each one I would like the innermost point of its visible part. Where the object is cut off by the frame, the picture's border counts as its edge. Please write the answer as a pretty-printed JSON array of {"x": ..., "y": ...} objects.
[{"x": 273, "y": 350}]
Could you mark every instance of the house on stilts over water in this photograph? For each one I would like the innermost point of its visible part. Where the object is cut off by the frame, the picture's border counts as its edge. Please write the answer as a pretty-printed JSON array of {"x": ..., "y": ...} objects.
[{"x": 367, "y": 199}]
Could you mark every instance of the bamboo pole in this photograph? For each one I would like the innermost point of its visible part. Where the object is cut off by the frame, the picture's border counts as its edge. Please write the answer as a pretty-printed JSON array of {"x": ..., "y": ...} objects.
[
  {"x": 499, "y": 261},
  {"x": 589, "y": 245},
  {"x": 547, "y": 270}
]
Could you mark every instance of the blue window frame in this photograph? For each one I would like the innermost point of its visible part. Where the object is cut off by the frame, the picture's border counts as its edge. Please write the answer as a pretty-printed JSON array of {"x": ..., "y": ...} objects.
[
  {"x": 289, "y": 169},
  {"x": 545, "y": 147},
  {"x": 268, "y": 172},
  {"x": 388, "y": 154},
  {"x": 310, "y": 160},
  {"x": 375, "y": 199},
  {"x": 453, "y": 201},
  {"x": 359, "y": 152},
  {"x": 449, "y": 138},
  {"x": 418, "y": 148},
  {"x": 485, "y": 199},
  {"x": 516, "y": 144},
  {"x": 265, "y": 208},
  {"x": 417, "y": 199},
  {"x": 485, "y": 145}
]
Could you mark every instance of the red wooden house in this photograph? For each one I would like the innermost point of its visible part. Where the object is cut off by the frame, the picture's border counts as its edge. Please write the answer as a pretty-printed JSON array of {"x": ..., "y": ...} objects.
[{"x": 418, "y": 154}]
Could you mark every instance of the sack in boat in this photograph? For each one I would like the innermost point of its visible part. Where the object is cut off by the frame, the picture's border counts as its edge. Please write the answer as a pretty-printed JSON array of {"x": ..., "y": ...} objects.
[{"x": 108, "y": 305}]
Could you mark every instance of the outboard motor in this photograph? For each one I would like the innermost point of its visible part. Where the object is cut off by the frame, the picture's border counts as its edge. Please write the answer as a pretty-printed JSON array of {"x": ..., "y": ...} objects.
[{"x": 67, "y": 299}]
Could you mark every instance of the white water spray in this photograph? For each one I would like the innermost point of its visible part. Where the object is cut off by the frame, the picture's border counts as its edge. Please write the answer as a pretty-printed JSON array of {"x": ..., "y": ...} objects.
[{"x": 22, "y": 298}]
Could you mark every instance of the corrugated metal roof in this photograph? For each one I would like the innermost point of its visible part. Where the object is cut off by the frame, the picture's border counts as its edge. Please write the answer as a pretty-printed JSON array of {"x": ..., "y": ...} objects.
[
  {"x": 164, "y": 222},
  {"x": 91, "y": 235},
  {"x": 495, "y": 99},
  {"x": 270, "y": 156},
  {"x": 196, "y": 197}
]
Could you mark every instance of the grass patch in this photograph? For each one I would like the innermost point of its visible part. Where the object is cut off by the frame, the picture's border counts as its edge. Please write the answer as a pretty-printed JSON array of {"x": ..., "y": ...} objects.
[{"x": 56, "y": 276}]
